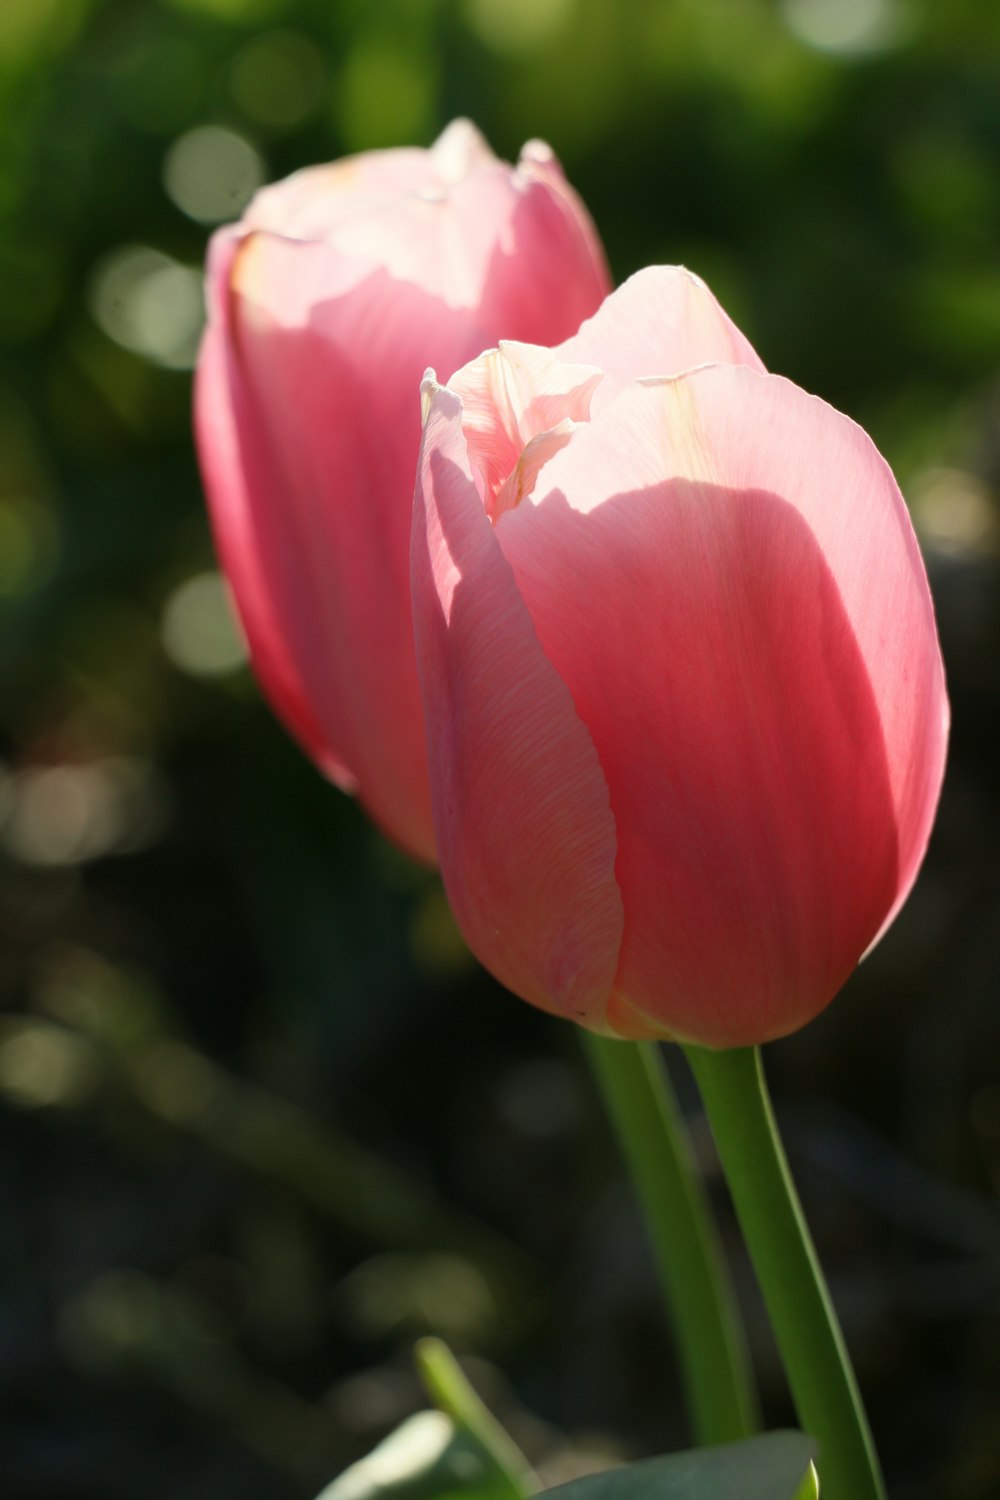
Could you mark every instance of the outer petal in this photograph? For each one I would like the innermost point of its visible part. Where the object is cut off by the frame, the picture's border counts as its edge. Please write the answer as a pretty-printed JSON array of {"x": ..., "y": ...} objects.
[
  {"x": 525, "y": 834},
  {"x": 334, "y": 382},
  {"x": 739, "y": 609},
  {"x": 309, "y": 414},
  {"x": 546, "y": 271},
  {"x": 515, "y": 249},
  {"x": 662, "y": 321},
  {"x": 240, "y": 477},
  {"x": 314, "y": 202}
]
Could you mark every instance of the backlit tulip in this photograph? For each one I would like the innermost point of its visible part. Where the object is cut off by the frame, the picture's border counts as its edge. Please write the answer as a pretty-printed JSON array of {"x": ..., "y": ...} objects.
[
  {"x": 326, "y": 304},
  {"x": 685, "y": 702}
]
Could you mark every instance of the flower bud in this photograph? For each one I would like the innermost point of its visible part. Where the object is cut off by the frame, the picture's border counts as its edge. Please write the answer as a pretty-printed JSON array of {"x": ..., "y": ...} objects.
[
  {"x": 685, "y": 701},
  {"x": 326, "y": 303}
]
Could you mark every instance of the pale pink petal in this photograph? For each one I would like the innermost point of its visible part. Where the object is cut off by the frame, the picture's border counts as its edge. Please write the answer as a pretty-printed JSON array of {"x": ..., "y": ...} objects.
[
  {"x": 513, "y": 399},
  {"x": 532, "y": 460},
  {"x": 315, "y": 201},
  {"x": 516, "y": 248},
  {"x": 459, "y": 151},
  {"x": 525, "y": 833},
  {"x": 662, "y": 321},
  {"x": 737, "y": 605}
]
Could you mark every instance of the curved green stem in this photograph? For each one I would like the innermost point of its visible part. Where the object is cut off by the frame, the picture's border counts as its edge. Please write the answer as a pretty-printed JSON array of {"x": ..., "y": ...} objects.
[
  {"x": 805, "y": 1325},
  {"x": 712, "y": 1349}
]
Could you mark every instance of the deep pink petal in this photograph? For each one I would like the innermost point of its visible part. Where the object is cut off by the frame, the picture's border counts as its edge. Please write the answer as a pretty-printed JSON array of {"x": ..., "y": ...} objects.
[
  {"x": 662, "y": 321},
  {"x": 547, "y": 229},
  {"x": 737, "y": 605},
  {"x": 525, "y": 834}
]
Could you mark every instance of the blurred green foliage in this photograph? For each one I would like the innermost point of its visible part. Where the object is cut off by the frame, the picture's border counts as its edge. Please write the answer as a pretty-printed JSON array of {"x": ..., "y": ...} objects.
[{"x": 217, "y": 976}]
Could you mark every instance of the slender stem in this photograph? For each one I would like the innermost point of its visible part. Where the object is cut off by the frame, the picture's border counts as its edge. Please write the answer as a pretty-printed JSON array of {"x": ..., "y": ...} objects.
[
  {"x": 805, "y": 1325},
  {"x": 711, "y": 1345}
]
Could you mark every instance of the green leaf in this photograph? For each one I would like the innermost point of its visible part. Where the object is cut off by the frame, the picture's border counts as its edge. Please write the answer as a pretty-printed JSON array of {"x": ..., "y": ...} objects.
[
  {"x": 773, "y": 1467},
  {"x": 452, "y": 1394},
  {"x": 809, "y": 1488},
  {"x": 459, "y": 1452},
  {"x": 427, "y": 1458}
]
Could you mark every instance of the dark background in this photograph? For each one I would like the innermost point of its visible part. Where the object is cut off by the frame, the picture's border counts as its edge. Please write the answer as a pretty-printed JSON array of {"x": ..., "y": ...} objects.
[{"x": 261, "y": 1119}]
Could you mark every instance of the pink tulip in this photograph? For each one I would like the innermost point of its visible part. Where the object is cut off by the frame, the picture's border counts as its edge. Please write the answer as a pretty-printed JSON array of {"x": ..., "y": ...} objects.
[
  {"x": 326, "y": 304},
  {"x": 685, "y": 702}
]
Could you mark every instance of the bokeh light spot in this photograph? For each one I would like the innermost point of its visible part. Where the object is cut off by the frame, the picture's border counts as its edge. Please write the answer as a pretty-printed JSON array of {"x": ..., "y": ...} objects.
[
  {"x": 120, "y": 1311},
  {"x": 446, "y": 1293},
  {"x": 212, "y": 173},
  {"x": 517, "y": 25},
  {"x": 28, "y": 545},
  {"x": 149, "y": 303},
  {"x": 277, "y": 79},
  {"x": 238, "y": 12},
  {"x": 385, "y": 96},
  {"x": 177, "y": 1083},
  {"x": 43, "y": 1065},
  {"x": 954, "y": 514},
  {"x": 30, "y": 28},
  {"x": 68, "y": 814},
  {"x": 199, "y": 630},
  {"x": 847, "y": 27}
]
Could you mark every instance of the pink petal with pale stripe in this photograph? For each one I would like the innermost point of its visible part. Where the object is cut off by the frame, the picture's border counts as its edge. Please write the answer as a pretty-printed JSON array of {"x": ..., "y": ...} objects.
[
  {"x": 662, "y": 321},
  {"x": 526, "y": 839},
  {"x": 518, "y": 407},
  {"x": 722, "y": 572}
]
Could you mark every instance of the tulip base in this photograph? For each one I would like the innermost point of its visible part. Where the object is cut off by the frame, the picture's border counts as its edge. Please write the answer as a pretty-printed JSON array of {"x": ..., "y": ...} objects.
[
  {"x": 805, "y": 1324},
  {"x": 715, "y": 1366}
]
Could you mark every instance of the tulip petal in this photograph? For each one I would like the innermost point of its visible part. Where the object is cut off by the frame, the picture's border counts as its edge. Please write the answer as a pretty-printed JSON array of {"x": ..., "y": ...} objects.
[
  {"x": 662, "y": 321},
  {"x": 738, "y": 607},
  {"x": 314, "y": 202},
  {"x": 518, "y": 404},
  {"x": 525, "y": 834},
  {"x": 548, "y": 231},
  {"x": 239, "y": 474},
  {"x": 539, "y": 169},
  {"x": 333, "y": 381},
  {"x": 341, "y": 285},
  {"x": 425, "y": 229}
]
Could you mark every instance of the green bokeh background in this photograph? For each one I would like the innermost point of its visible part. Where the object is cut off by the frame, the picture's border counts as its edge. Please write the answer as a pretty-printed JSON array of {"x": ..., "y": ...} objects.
[{"x": 261, "y": 1120}]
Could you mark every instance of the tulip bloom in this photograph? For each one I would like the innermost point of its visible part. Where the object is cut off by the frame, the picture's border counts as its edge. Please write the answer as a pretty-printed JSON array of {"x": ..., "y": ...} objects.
[
  {"x": 326, "y": 304},
  {"x": 684, "y": 696}
]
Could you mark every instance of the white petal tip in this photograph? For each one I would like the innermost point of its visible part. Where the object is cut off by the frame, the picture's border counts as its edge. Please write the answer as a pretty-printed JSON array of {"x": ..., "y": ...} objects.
[
  {"x": 537, "y": 153},
  {"x": 428, "y": 390},
  {"x": 434, "y": 395},
  {"x": 459, "y": 150}
]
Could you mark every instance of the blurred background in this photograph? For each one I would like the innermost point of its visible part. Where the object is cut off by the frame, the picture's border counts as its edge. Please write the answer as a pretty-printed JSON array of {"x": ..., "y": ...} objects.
[{"x": 262, "y": 1121}]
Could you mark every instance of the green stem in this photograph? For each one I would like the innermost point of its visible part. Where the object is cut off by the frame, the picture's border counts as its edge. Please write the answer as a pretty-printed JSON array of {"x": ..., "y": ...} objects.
[
  {"x": 711, "y": 1346},
  {"x": 805, "y": 1325}
]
